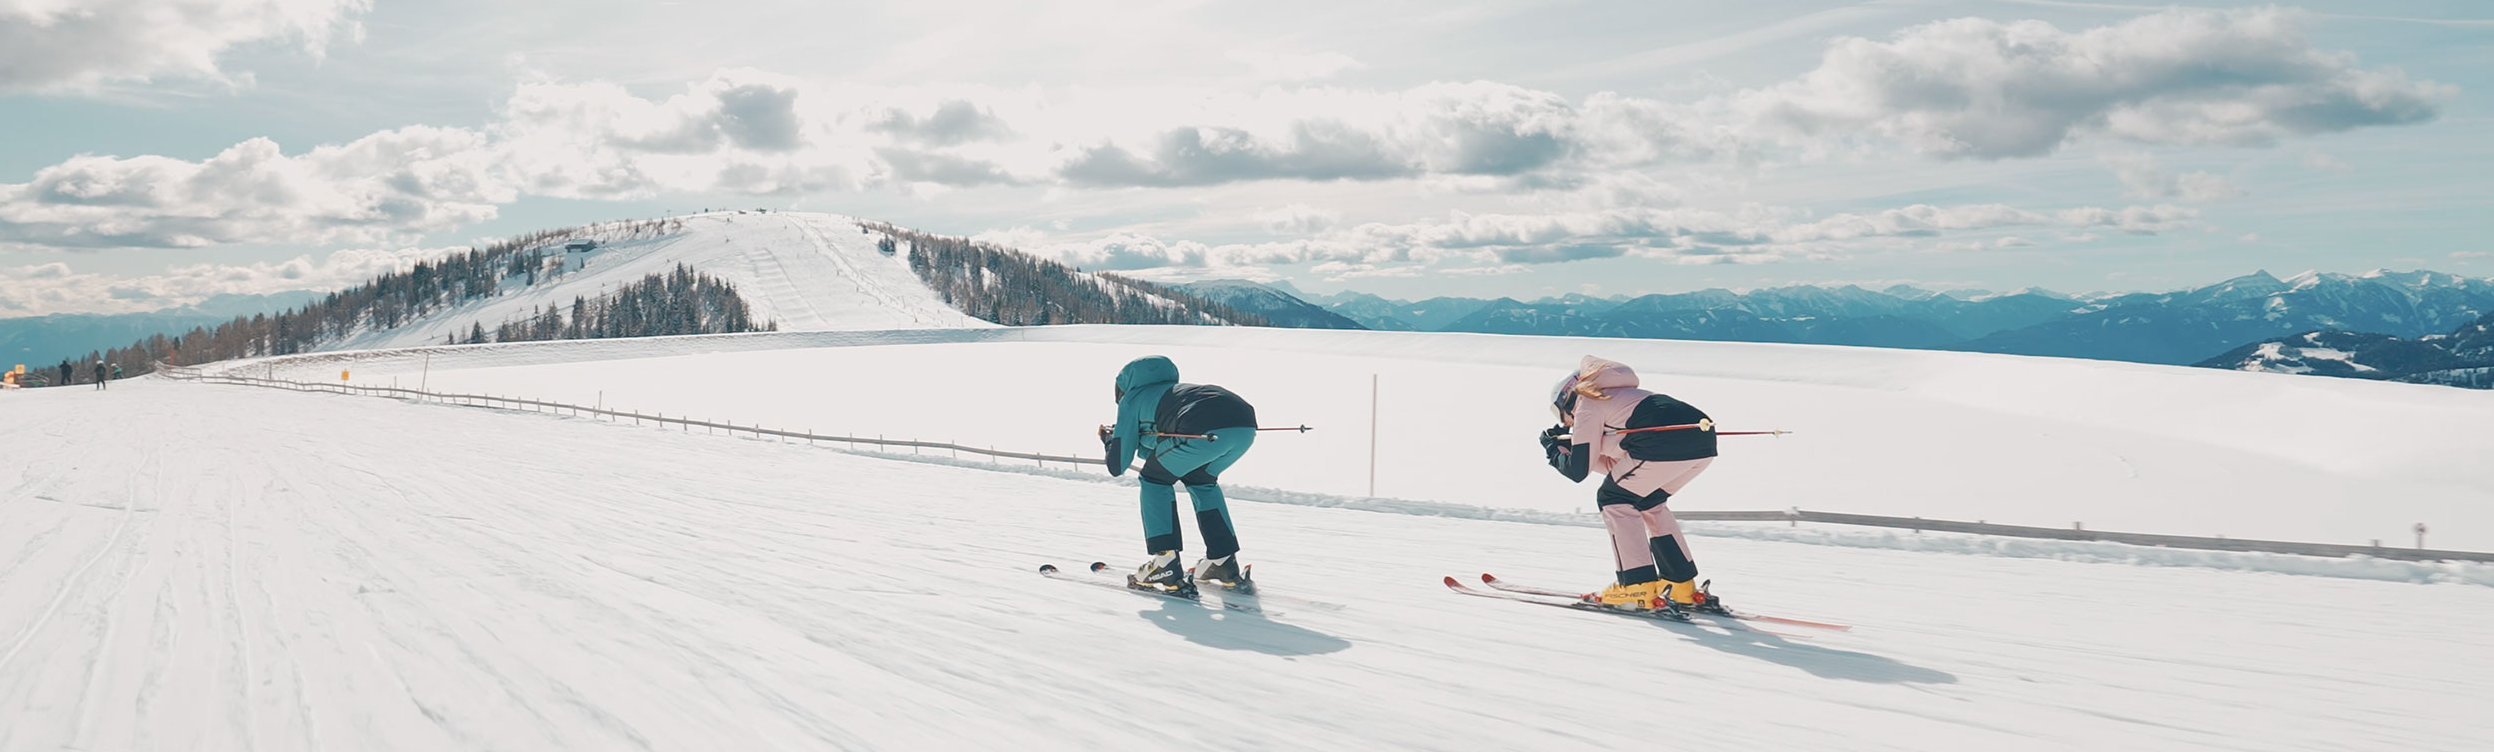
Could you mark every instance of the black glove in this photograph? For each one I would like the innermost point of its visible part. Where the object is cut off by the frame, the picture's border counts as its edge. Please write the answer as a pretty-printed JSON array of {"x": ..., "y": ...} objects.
[
  {"x": 1110, "y": 449},
  {"x": 1562, "y": 455}
]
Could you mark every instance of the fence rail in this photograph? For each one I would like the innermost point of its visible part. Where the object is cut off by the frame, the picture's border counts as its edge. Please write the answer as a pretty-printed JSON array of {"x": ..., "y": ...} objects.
[
  {"x": 563, "y": 408},
  {"x": 1792, "y": 516},
  {"x": 2202, "y": 543}
]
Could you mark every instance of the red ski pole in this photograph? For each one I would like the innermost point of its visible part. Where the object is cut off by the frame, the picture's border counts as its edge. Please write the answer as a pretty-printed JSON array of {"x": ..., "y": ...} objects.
[
  {"x": 1707, "y": 425},
  {"x": 1210, "y": 437}
]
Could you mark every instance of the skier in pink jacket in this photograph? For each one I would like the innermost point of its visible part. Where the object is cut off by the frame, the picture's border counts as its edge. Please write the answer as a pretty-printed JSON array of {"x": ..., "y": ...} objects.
[{"x": 1601, "y": 412}]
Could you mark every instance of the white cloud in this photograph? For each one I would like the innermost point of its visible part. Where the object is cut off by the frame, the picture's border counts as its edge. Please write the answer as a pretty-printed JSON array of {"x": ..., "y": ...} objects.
[
  {"x": 1988, "y": 89},
  {"x": 1748, "y": 234},
  {"x": 2143, "y": 178},
  {"x": 388, "y": 185},
  {"x": 51, "y": 45},
  {"x": 1297, "y": 219},
  {"x": 2135, "y": 220},
  {"x": 1958, "y": 88},
  {"x": 50, "y": 288}
]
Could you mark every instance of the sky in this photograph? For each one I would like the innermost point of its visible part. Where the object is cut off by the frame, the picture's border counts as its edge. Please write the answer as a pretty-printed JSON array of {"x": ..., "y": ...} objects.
[{"x": 154, "y": 153}]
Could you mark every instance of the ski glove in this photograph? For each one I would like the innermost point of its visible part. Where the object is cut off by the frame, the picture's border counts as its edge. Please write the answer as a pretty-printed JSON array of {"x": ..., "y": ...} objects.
[
  {"x": 1562, "y": 454},
  {"x": 1109, "y": 445}
]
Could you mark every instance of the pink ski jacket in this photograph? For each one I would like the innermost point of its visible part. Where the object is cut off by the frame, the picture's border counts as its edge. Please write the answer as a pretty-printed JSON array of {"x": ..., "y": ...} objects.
[{"x": 1606, "y": 392}]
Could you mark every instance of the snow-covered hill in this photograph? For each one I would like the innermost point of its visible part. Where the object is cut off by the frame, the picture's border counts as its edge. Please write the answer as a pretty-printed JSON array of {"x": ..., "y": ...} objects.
[
  {"x": 803, "y": 271},
  {"x": 2010, "y": 439},
  {"x": 268, "y": 570},
  {"x": 2464, "y": 357}
]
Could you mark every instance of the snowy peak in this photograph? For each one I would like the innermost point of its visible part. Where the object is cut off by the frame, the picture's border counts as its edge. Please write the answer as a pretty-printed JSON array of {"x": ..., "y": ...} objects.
[{"x": 2254, "y": 285}]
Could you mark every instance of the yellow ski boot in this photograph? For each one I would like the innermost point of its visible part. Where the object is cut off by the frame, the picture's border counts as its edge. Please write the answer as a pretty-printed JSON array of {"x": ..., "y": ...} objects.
[
  {"x": 1643, "y": 596},
  {"x": 1691, "y": 596}
]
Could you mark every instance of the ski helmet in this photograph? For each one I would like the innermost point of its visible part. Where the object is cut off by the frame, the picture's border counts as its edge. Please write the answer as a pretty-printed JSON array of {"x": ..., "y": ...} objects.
[{"x": 1563, "y": 398}]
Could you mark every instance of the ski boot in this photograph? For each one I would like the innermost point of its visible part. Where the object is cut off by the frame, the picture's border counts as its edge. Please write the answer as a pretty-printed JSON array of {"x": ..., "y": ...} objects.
[
  {"x": 1643, "y": 596},
  {"x": 1693, "y": 596},
  {"x": 1162, "y": 575},
  {"x": 1226, "y": 573}
]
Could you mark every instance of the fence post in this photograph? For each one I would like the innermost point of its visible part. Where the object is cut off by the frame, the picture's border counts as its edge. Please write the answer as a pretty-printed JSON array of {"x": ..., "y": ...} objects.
[{"x": 1372, "y": 435}]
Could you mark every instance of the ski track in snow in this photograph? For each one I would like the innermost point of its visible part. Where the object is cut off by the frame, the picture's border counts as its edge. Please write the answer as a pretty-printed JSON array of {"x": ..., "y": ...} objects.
[{"x": 204, "y": 567}]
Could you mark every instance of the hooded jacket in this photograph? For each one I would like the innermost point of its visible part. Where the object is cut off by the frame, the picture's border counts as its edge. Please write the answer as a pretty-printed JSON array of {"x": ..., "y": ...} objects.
[
  {"x": 1150, "y": 400},
  {"x": 1609, "y": 399}
]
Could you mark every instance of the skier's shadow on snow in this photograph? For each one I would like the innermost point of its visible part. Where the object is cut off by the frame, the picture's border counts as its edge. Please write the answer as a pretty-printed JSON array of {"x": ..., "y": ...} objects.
[
  {"x": 1820, "y": 661},
  {"x": 1239, "y": 630}
]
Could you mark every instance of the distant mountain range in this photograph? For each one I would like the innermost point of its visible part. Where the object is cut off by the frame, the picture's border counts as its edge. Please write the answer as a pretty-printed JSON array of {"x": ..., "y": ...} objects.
[
  {"x": 47, "y": 340},
  {"x": 2422, "y": 326},
  {"x": 1278, "y": 304},
  {"x": 2184, "y": 327},
  {"x": 2194, "y": 325},
  {"x": 2462, "y": 357}
]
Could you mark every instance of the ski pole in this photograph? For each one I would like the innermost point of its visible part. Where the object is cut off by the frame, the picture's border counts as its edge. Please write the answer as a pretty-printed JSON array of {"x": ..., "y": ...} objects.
[
  {"x": 1702, "y": 425},
  {"x": 1707, "y": 425},
  {"x": 1210, "y": 437}
]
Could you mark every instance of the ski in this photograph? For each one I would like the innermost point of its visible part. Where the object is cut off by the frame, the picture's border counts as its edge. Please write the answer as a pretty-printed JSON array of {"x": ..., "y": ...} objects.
[
  {"x": 1571, "y": 603},
  {"x": 1498, "y": 584},
  {"x": 1190, "y": 595}
]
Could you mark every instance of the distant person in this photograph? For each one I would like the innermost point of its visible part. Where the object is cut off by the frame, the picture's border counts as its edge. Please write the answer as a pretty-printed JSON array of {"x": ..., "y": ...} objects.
[
  {"x": 116, "y": 370},
  {"x": 1182, "y": 433},
  {"x": 68, "y": 374},
  {"x": 1599, "y": 406},
  {"x": 99, "y": 374}
]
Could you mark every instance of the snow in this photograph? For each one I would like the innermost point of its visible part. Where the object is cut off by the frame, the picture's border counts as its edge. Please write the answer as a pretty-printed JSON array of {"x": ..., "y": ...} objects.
[
  {"x": 2008, "y": 439},
  {"x": 209, "y": 567},
  {"x": 805, "y": 271}
]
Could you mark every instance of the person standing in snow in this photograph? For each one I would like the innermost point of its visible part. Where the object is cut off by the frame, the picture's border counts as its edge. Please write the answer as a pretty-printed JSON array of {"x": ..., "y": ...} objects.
[
  {"x": 1599, "y": 407},
  {"x": 1182, "y": 433},
  {"x": 99, "y": 374}
]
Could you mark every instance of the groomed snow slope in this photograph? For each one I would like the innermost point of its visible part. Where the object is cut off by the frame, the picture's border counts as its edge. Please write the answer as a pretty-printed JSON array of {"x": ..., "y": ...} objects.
[
  {"x": 806, "y": 271},
  {"x": 208, "y": 568},
  {"x": 2038, "y": 441}
]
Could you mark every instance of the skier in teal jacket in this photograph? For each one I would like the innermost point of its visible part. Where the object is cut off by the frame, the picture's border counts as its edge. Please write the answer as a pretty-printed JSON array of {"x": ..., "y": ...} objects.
[{"x": 1181, "y": 433}]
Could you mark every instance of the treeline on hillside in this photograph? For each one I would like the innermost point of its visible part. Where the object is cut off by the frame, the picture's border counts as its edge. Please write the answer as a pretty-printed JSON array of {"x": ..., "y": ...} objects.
[
  {"x": 1013, "y": 288},
  {"x": 681, "y": 301},
  {"x": 385, "y": 302}
]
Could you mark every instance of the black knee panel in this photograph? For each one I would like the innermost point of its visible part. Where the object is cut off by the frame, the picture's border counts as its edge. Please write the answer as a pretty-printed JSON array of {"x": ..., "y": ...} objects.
[
  {"x": 1613, "y": 494},
  {"x": 1152, "y": 472}
]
